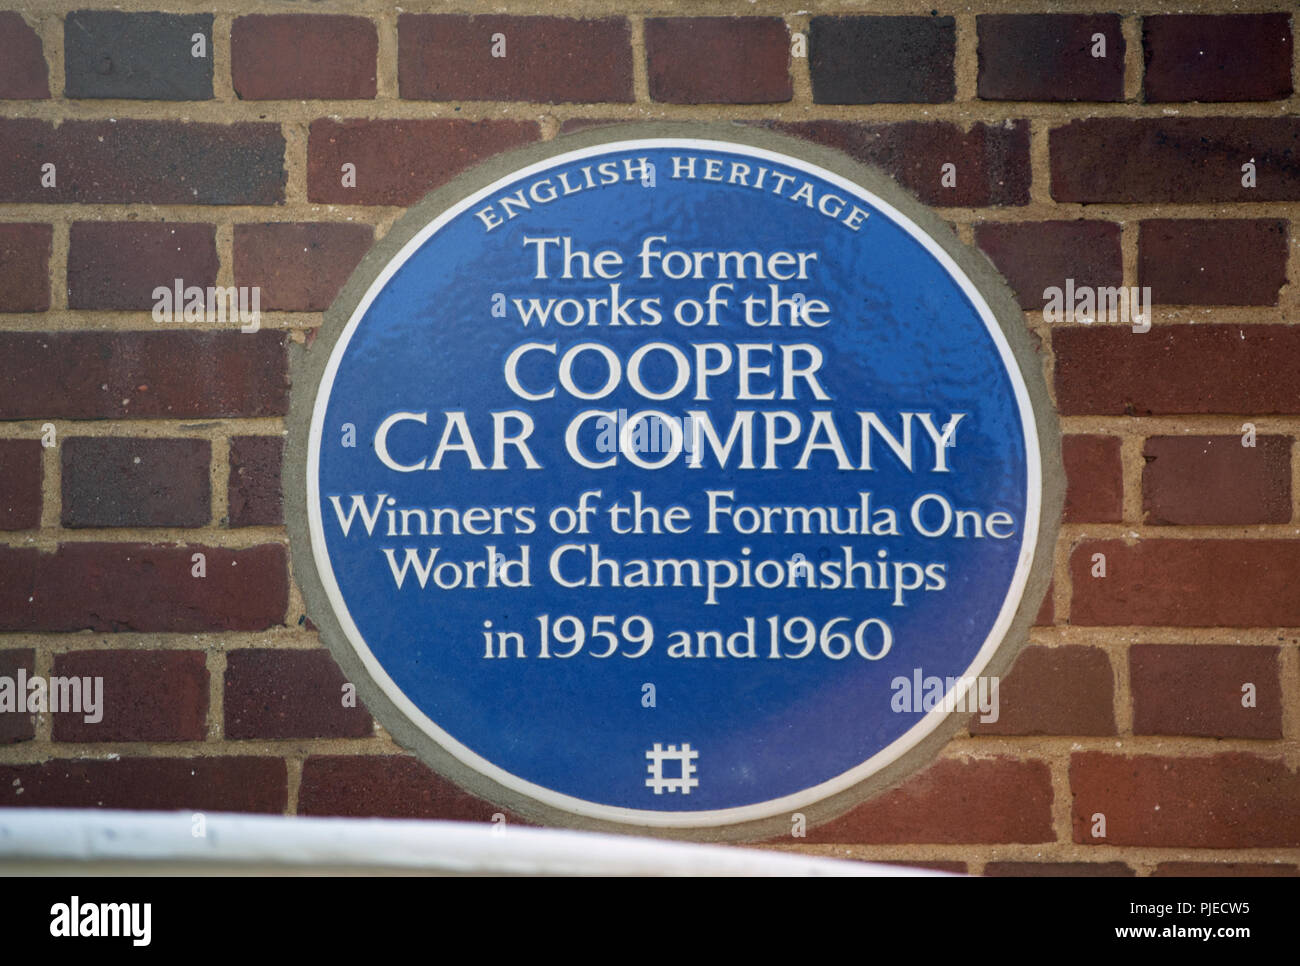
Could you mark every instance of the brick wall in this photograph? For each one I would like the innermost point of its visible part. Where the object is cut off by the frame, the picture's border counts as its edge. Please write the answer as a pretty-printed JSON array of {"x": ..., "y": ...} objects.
[{"x": 224, "y": 168}]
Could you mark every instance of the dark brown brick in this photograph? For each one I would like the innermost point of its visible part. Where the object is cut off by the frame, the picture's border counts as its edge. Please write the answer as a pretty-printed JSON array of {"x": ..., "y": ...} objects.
[
  {"x": 718, "y": 60},
  {"x": 1187, "y": 583},
  {"x": 210, "y": 784},
  {"x": 16, "y": 726},
  {"x": 23, "y": 74},
  {"x": 399, "y": 162},
  {"x": 387, "y": 786},
  {"x": 1170, "y": 370},
  {"x": 1224, "y": 869},
  {"x": 1180, "y": 160},
  {"x": 124, "y": 482},
  {"x": 550, "y": 60},
  {"x": 289, "y": 694},
  {"x": 136, "y": 56},
  {"x": 151, "y": 162},
  {"x": 1223, "y": 261},
  {"x": 882, "y": 60},
  {"x": 1196, "y": 689},
  {"x": 21, "y": 473},
  {"x": 1225, "y": 801},
  {"x": 1205, "y": 480},
  {"x": 1054, "y": 691},
  {"x": 143, "y": 375},
  {"x": 147, "y": 696},
  {"x": 1048, "y": 57},
  {"x": 1094, "y": 491},
  {"x": 981, "y": 800},
  {"x": 992, "y": 160},
  {"x": 303, "y": 57},
  {"x": 254, "y": 488},
  {"x": 1233, "y": 57},
  {"x": 299, "y": 267},
  {"x": 25, "y": 267},
  {"x": 117, "y": 265},
  {"x": 1072, "y": 870},
  {"x": 1034, "y": 256},
  {"x": 142, "y": 587}
]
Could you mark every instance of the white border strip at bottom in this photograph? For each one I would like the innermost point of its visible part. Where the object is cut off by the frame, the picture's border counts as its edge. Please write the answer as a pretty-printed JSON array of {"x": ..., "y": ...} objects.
[{"x": 59, "y": 841}]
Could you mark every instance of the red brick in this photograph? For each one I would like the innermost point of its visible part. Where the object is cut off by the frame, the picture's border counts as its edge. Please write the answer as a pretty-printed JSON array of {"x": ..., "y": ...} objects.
[
  {"x": 303, "y": 57},
  {"x": 147, "y": 696},
  {"x": 387, "y": 786},
  {"x": 1234, "y": 57},
  {"x": 1172, "y": 370},
  {"x": 1054, "y": 691},
  {"x": 1227, "y": 261},
  {"x": 25, "y": 267},
  {"x": 1181, "y": 160},
  {"x": 23, "y": 74},
  {"x": 299, "y": 267},
  {"x": 1206, "y": 480},
  {"x": 15, "y": 727},
  {"x": 878, "y": 60},
  {"x": 143, "y": 375},
  {"x": 210, "y": 784},
  {"x": 1037, "y": 255},
  {"x": 1048, "y": 57},
  {"x": 1196, "y": 689},
  {"x": 289, "y": 694},
  {"x": 123, "y": 482},
  {"x": 718, "y": 60},
  {"x": 1072, "y": 870},
  {"x": 992, "y": 160},
  {"x": 21, "y": 473},
  {"x": 1047, "y": 612},
  {"x": 981, "y": 800},
  {"x": 551, "y": 60},
  {"x": 253, "y": 491},
  {"x": 1225, "y": 801},
  {"x": 142, "y": 587},
  {"x": 399, "y": 162},
  {"x": 117, "y": 264},
  {"x": 1188, "y": 583},
  {"x": 1225, "y": 869},
  {"x": 152, "y": 162},
  {"x": 1094, "y": 491}
]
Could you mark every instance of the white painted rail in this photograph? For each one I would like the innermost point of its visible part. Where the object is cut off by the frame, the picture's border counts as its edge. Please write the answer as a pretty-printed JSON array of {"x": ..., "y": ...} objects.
[{"x": 94, "y": 841}]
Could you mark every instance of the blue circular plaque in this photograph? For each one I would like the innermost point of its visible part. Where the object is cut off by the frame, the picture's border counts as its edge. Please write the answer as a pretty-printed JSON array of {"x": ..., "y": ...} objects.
[{"x": 656, "y": 481}]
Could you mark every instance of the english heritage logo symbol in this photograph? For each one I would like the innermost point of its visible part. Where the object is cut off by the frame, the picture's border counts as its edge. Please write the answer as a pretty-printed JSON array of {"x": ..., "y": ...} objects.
[{"x": 756, "y": 429}]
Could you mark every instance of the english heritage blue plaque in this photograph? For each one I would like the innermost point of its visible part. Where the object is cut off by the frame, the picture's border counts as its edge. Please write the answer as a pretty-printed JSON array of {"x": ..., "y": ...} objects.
[{"x": 641, "y": 473}]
